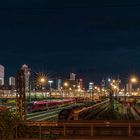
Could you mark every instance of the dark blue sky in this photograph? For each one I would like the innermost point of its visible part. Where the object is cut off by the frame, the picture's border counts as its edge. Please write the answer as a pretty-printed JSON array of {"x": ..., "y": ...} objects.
[{"x": 73, "y": 35}]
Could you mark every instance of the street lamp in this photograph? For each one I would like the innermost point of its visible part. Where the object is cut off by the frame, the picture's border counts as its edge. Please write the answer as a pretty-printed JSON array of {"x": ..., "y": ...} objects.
[
  {"x": 133, "y": 80},
  {"x": 115, "y": 87},
  {"x": 66, "y": 86},
  {"x": 42, "y": 81},
  {"x": 50, "y": 84}
]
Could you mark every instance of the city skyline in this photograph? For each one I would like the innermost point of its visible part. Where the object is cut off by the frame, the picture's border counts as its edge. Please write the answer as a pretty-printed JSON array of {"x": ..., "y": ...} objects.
[
  {"x": 72, "y": 36},
  {"x": 69, "y": 69}
]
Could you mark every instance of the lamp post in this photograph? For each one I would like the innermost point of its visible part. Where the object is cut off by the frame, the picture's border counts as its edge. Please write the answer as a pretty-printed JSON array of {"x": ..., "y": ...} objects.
[
  {"x": 73, "y": 91},
  {"x": 133, "y": 80},
  {"x": 42, "y": 82},
  {"x": 113, "y": 93},
  {"x": 50, "y": 84},
  {"x": 66, "y": 86}
]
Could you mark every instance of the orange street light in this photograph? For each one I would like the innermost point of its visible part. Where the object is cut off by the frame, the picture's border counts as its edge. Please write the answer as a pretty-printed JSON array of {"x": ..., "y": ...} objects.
[
  {"x": 66, "y": 84},
  {"x": 134, "y": 80}
]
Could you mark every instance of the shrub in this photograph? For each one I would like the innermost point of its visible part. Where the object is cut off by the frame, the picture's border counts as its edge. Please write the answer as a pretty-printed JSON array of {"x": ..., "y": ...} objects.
[{"x": 7, "y": 124}]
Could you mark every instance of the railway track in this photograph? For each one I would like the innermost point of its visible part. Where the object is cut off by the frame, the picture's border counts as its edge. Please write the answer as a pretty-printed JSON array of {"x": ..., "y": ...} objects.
[
  {"x": 46, "y": 115},
  {"x": 96, "y": 111},
  {"x": 102, "y": 111},
  {"x": 131, "y": 113},
  {"x": 135, "y": 113}
]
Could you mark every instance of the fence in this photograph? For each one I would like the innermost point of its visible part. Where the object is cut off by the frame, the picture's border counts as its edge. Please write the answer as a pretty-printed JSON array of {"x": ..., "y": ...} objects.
[{"x": 76, "y": 129}]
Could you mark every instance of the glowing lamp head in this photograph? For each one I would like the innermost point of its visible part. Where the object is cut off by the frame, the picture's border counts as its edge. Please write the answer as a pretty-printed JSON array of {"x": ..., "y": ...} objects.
[
  {"x": 113, "y": 81},
  {"x": 79, "y": 90},
  {"x": 95, "y": 87},
  {"x": 42, "y": 80},
  {"x": 78, "y": 86},
  {"x": 115, "y": 87},
  {"x": 109, "y": 80},
  {"x": 50, "y": 81},
  {"x": 65, "y": 84},
  {"x": 134, "y": 80}
]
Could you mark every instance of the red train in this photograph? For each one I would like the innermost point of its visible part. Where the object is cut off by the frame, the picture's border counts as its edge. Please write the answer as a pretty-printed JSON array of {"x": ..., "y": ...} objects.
[{"x": 46, "y": 104}]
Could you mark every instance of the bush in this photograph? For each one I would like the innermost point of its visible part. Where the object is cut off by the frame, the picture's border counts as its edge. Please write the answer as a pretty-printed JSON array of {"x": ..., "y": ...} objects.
[
  {"x": 7, "y": 124},
  {"x": 4, "y": 101},
  {"x": 36, "y": 98}
]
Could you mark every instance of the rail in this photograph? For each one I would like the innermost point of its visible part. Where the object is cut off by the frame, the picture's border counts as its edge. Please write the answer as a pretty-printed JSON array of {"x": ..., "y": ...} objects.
[
  {"x": 76, "y": 113},
  {"x": 77, "y": 129}
]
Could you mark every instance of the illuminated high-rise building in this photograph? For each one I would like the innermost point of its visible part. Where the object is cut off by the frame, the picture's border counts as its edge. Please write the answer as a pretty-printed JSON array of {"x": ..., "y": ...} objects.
[
  {"x": 72, "y": 76},
  {"x": 27, "y": 73},
  {"x": 103, "y": 83},
  {"x": 12, "y": 81},
  {"x": 59, "y": 82},
  {"x": 81, "y": 83},
  {"x": 2, "y": 75},
  {"x": 91, "y": 84}
]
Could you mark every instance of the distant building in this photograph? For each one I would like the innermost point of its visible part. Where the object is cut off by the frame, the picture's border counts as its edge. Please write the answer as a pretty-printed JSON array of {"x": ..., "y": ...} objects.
[
  {"x": 59, "y": 83},
  {"x": 80, "y": 83},
  {"x": 129, "y": 88},
  {"x": 27, "y": 73},
  {"x": 72, "y": 76},
  {"x": 91, "y": 86},
  {"x": 12, "y": 81},
  {"x": 103, "y": 83},
  {"x": 2, "y": 69},
  {"x": 71, "y": 83}
]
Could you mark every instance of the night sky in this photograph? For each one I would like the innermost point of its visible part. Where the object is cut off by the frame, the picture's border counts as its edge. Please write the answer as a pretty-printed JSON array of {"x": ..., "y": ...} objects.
[{"x": 90, "y": 37}]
